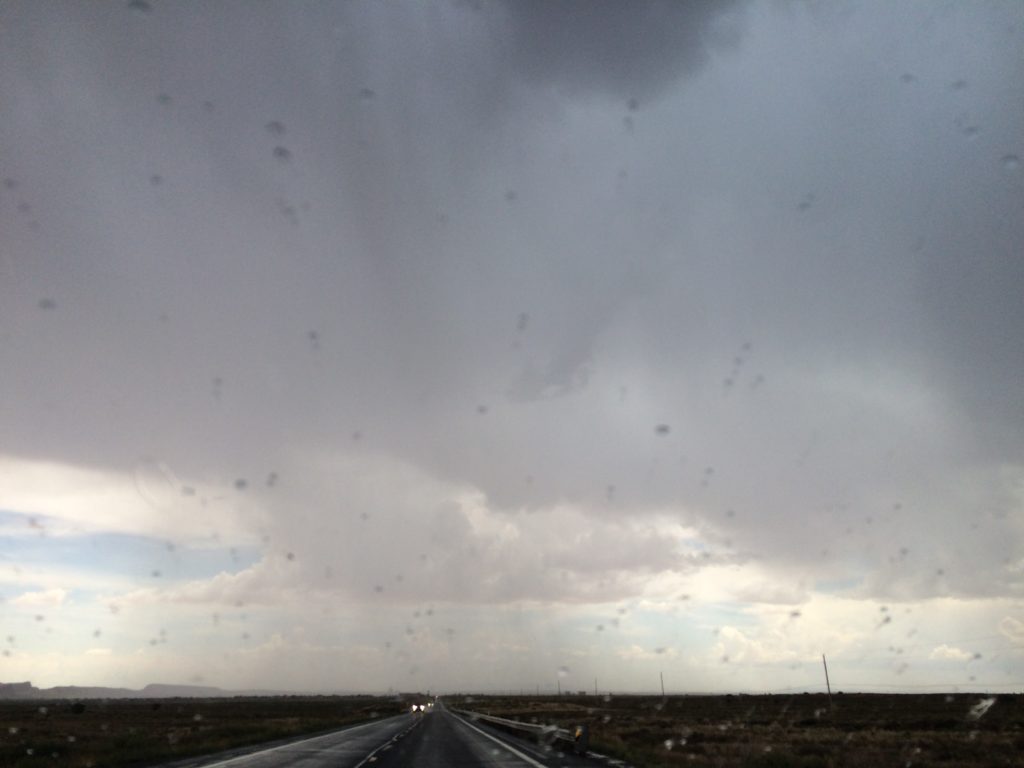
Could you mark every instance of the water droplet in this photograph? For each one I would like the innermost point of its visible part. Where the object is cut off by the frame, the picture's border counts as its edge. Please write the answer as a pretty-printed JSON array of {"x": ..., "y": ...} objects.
[
  {"x": 978, "y": 710},
  {"x": 275, "y": 128},
  {"x": 958, "y": 85},
  {"x": 511, "y": 195},
  {"x": 290, "y": 555},
  {"x": 563, "y": 671},
  {"x": 522, "y": 322},
  {"x": 366, "y": 93},
  {"x": 282, "y": 153},
  {"x": 906, "y": 77},
  {"x": 47, "y": 304},
  {"x": 241, "y": 484},
  {"x": 156, "y": 179},
  {"x": 1011, "y": 162},
  {"x": 662, "y": 429},
  {"x": 164, "y": 99},
  {"x": 140, "y": 5},
  {"x": 481, "y": 409}
]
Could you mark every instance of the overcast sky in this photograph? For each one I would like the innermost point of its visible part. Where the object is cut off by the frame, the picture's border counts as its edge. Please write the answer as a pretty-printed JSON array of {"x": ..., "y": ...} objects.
[{"x": 504, "y": 345}]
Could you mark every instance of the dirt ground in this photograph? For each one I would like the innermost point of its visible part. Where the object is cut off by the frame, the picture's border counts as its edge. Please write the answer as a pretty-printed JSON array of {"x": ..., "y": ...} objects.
[{"x": 857, "y": 730}]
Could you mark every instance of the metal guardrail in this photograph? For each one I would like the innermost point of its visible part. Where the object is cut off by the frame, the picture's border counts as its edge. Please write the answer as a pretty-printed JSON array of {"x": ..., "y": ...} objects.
[{"x": 544, "y": 734}]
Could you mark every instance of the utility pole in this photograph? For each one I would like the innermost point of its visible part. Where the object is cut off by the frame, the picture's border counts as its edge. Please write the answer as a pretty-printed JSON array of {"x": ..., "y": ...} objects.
[
  {"x": 828, "y": 685},
  {"x": 595, "y": 686},
  {"x": 559, "y": 687},
  {"x": 662, "y": 674}
]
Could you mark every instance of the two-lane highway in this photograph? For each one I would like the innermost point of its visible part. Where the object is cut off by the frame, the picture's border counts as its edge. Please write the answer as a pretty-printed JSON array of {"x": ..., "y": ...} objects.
[{"x": 437, "y": 739}]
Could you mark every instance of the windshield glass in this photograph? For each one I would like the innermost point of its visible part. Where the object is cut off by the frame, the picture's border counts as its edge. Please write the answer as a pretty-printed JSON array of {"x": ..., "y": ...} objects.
[{"x": 512, "y": 346}]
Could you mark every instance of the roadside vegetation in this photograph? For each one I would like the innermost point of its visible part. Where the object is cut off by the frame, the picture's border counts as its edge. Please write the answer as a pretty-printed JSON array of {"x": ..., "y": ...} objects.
[
  {"x": 779, "y": 731},
  {"x": 129, "y": 733}
]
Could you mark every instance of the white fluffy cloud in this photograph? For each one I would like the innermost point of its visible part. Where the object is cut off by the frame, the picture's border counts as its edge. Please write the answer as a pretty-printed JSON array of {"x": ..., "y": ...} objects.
[{"x": 49, "y": 598}]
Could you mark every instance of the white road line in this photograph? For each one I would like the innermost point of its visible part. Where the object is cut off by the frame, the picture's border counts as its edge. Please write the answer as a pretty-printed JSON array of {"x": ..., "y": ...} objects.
[
  {"x": 372, "y": 757},
  {"x": 250, "y": 755},
  {"x": 501, "y": 743}
]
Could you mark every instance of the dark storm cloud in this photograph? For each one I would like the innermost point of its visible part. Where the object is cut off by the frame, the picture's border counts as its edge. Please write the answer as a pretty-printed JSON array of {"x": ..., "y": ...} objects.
[
  {"x": 805, "y": 271},
  {"x": 625, "y": 51}
]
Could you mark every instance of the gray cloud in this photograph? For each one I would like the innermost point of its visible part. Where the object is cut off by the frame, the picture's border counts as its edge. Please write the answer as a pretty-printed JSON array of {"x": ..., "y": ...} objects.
[
  {"x": 792, "y": 256},
  {"x": 627, "y": 52}
]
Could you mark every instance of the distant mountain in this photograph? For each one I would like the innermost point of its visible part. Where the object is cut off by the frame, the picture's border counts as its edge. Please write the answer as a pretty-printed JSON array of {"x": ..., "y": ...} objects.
[{"x": 153, "y": 691}]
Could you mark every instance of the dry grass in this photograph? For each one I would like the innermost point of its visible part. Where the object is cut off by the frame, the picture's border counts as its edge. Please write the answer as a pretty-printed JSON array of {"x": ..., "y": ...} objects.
[
  {"x": 120, "y": 733},
  {"x": 860, "y": 731}
]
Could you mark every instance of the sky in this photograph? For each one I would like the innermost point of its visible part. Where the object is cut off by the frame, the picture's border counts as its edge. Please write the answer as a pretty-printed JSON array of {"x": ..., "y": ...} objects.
[{"x": 512, "y": 346}]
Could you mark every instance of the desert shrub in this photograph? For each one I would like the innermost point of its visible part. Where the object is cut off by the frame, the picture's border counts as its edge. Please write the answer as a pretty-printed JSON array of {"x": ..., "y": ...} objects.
[{"x": 784, "y": 760}]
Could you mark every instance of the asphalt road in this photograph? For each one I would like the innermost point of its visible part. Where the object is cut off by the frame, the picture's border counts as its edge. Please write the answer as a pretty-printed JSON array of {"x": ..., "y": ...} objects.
[{"x": 437, "y": 739}]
